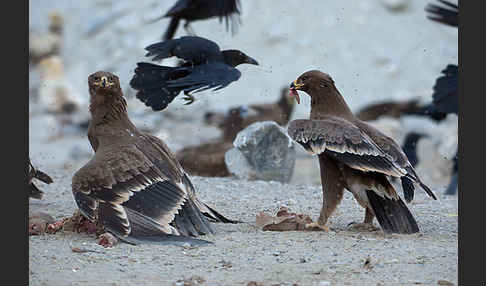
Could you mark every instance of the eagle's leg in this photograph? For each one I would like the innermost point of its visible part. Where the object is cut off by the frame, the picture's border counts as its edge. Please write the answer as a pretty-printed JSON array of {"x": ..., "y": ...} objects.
[
  {"x": 320, "y": 224},
  {"x": 333, "y": 183},
  {"x": 367, "y": 224},
  {"x": 316, "y": 226}
]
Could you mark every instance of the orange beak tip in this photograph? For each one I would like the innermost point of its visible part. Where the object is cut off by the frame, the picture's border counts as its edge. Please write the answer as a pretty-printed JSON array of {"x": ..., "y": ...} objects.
[{"x": 294, "y": 93}]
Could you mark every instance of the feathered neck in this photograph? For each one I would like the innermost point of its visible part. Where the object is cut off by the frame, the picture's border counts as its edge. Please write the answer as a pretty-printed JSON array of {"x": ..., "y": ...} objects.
[
  {"x": 106, "y": 109},
  {"x": 328, "y": 101}
]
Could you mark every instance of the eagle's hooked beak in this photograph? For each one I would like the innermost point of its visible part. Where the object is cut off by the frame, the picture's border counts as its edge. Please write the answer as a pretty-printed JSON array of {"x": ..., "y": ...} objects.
[{"x": 104, "y": 81}]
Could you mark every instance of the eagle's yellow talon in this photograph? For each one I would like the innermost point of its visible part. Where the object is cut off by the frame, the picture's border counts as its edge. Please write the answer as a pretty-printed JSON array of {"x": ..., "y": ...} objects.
[
  {"x": 314, "y": 225},
  {"x": 189, "y": 99}
]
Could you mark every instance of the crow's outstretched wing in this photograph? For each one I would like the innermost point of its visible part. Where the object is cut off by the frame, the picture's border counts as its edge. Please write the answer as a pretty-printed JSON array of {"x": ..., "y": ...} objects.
[
  {"x": 189, "y": 48},
  {"x": 212, "y": 75}
]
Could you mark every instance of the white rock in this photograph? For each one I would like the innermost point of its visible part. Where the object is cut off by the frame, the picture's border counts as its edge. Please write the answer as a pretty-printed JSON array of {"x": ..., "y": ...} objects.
[{"x": 263, "y": 151}]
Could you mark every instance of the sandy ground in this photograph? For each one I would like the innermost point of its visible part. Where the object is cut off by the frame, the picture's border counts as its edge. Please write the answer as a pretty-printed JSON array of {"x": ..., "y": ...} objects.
[{"x": 242, "y": 253}]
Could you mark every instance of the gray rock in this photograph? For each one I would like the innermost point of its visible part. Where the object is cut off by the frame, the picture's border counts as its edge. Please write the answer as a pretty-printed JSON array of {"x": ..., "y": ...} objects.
[{"x": 263, "y": 151}]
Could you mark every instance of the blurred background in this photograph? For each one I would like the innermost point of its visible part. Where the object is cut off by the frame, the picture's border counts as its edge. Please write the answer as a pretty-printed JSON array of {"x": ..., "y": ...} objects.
[{"x": 375, "y": 50}]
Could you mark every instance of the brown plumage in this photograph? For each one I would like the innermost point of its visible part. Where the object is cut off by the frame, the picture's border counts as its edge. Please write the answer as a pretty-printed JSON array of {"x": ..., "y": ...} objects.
[
  {"x": 34, "y": 192},
  {"x": 133, "y": 186},
  {"x": 279, "y": 111},
  {"x": 207, "y": 159},
  {"x": 393, "y": 109},
  {"x": 353, "y": 155}
]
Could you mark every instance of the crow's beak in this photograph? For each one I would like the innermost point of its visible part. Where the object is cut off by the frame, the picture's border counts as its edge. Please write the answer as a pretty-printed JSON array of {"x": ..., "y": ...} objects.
[{"x": 251, "y": 61}]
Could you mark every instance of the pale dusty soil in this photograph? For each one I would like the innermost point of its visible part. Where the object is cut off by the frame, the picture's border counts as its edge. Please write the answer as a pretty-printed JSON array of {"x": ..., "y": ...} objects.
[{"x": 243, "y": 253}]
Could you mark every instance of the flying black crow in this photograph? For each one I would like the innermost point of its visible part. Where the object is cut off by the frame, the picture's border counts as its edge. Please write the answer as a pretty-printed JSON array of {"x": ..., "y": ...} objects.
[
  {"x": 448, "y": 14},
  {"x": 192, "y": 10},
  {"x": 445, "y": 98},
  {"x": 205, "y": 67},
  {"x": 446, "y": 93}
]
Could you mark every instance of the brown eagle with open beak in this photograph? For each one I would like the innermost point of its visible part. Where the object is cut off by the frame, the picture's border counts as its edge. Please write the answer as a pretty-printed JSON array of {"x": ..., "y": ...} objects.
[{"x": 353, "y": 155}]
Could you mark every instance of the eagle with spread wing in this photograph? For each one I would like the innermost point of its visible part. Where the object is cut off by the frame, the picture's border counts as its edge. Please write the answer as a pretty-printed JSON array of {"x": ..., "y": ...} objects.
[
  {"x": 355, "y": 156},
  {"x": 133, "y": 186}
]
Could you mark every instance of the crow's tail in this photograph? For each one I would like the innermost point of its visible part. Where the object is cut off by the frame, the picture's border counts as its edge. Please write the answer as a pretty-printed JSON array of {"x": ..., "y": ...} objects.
[{"x": 150, "y": 82}]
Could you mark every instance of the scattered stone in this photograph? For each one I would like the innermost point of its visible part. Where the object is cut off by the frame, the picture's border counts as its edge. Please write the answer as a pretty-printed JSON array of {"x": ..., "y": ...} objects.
[
  {"x": 445, "y": 282},
  {"x": 367, "y": 263},
  {"x": 55, "y": 93},
  {"x": 82, "y": 250},
  {"x": 263, "y": 151},
  {"x": 192, "y": 281},
  {"x": 56, "y": 22},
  {"x": 226, "y": 264},
  {"x": 47, "y": 44},
  {"x": 41, "y": 46}
]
